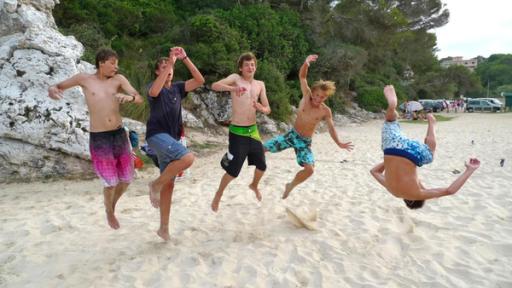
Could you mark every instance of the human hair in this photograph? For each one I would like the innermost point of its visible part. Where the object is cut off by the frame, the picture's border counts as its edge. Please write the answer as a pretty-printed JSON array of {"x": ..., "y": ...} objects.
[
  {"x": 328, "y": 86},
  {"x": 414, "y": 204},
  {"x": 158, "y": 63},
  {"x": 248, "y": 56},
  {"x": 103, "y": 55}
]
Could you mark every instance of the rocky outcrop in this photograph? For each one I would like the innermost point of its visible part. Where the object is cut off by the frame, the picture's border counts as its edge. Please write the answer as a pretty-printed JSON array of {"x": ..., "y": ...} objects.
[
  {"x": 39, "y": 137},
  {"x": 212, "y": 108}
]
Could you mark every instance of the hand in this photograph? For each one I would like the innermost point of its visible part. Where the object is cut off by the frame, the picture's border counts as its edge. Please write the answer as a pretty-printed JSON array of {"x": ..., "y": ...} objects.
[
  {"x": 473, "y": 164},
  {"x": 311, "y": 58},
  {"x": 123, "y": 98},
  {"x": 257, "y": 105},
  {"x": 239, "y": 90},
  {"x": 347, "y": 146},
  {"x": 180, "y": 53},
  {"x": 173, "y": 52},
  {"x": 55, "y": 93}
]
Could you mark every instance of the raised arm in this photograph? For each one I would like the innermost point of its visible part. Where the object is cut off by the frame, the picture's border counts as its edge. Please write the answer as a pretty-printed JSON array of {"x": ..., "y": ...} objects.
[
  {"x": 159, "y": 83},
  {"x": 455, "y": 186},
  {"x": 378, "y": 173},
  {"x": 263, "y": 105},
  {"x": 55, "y": 91},
  {"x": 303, "y": 75},
  {"x": 130, "y": 95},
  {"x": 332, "y": 131},
  {"x": 197, "y": 78}
]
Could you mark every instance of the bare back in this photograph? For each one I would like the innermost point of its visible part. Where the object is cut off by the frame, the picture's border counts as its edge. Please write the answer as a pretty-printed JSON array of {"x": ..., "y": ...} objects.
[
  {"x": 101, "y": 102},
  {"x": 309, "y": 116},
  {"x": 244, "y": 113},
  {"x": 401, "y": 177}
]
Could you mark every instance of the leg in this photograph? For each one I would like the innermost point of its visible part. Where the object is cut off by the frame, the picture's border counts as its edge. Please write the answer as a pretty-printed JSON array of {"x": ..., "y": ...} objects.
[
  {"x": 300, "y": 177},
  {"x": 108, "y": 194},
  {"x": 167, "y": 175},
  {"x": 389, "y": 93},
  {"x": 430, "y": 138},
  {"x": 255, "y": 181},
  {"x": 165, "y": 210},
  {"x": 119, "y": 190},
  {"x": 223, "y": 184}
]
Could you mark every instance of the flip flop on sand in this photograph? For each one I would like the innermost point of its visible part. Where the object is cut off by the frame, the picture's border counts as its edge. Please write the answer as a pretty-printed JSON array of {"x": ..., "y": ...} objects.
[{"x": 301, "y": 221}]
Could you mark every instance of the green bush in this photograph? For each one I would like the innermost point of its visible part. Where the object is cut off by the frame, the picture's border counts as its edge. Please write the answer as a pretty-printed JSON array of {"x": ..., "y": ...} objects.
[
  {"x": 278, "y": 93},
  {"x": 371, "y": 98}
]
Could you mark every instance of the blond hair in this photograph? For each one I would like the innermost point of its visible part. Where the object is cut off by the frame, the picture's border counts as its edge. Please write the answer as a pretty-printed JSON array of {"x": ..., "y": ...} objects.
[{"x": 328, "y": 86}]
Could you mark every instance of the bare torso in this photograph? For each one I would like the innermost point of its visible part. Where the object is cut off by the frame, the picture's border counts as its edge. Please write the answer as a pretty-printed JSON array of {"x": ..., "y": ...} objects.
[
  {"x": 101, "y": 102},
  {"x": 244, "y": 113},
  {"x": 308, "y": 117},
  {"x": 401, "y": 177}
]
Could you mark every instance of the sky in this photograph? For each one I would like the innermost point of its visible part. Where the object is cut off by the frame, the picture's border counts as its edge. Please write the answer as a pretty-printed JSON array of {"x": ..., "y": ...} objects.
[{"x": 476, "y": 28}]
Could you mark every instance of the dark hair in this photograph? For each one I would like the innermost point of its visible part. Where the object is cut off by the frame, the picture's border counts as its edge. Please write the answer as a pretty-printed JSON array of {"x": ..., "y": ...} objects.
[
  {"x": 103, "y": 55},
  {"x": 158, "y": 63},
  {"x": 248, "y": 56},
  {"x": 414, "y": 204}
]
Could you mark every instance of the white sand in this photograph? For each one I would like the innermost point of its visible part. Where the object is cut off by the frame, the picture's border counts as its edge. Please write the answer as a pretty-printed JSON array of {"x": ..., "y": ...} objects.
[{"x": 55, "y": 234}]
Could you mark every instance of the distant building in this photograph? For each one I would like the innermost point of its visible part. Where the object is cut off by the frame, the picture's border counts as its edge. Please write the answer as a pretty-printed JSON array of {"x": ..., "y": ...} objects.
[{"x": 471, "y": 64}]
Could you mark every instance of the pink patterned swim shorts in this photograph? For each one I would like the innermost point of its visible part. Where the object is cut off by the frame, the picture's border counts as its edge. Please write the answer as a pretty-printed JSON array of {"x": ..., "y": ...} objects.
[{"x": 111, "y": 156}]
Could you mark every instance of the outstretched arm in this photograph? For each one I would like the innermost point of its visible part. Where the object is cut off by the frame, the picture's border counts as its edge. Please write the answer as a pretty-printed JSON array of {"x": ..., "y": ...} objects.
[
  {"x": 378, "y": 173},
  {"x": 55, "y": 91},
  {"x": 197, "y": 78},
  {"x": 303, "y": 75},
  {"x": 455, "y": 186},
  {"x": 334, "y": 135}
]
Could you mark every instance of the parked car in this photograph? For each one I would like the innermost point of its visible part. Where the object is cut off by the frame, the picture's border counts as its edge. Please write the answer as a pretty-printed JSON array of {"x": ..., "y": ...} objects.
[
  {"x": 430, "y": 105},
  {"x": 482, "y": 105},
  {"x": 493, "y": 101}
]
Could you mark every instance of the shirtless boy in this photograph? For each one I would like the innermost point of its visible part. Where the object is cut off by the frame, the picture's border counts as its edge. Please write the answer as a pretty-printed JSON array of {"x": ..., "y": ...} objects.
[
  {"x": 248, "y": 96},
  {"x": 311, "y": 111},
  {"x": 401, "y": 156},
  {"x": 109, "y": 145}
]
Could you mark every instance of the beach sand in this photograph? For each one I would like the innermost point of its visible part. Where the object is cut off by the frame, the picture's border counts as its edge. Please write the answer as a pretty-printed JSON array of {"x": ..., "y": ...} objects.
[{"x": 55, "y": 234}]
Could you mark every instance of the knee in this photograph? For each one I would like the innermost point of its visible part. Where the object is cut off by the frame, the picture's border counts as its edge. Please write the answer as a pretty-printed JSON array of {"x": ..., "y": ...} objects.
[
  {"x": 188, "y": 159},
  {"x": 309, "y": 170}
]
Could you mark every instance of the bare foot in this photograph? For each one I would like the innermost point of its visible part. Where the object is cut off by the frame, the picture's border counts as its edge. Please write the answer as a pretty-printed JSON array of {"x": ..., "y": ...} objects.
[
  {"x": 112, "y": 221},
  {"x": 215, "y": 203},
  {"x": 431, "y": 118},
  {"x": 163, "y": 234},
  {"x": 154, "y": 195},
  {"x": 287, "y": 189},
  {"x": 256, "y": 191},
  {"x": 389, "y": 92}
]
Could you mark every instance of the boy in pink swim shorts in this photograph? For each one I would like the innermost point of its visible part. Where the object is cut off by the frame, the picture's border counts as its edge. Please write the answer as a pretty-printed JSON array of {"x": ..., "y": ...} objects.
[{"x": 109, "y": 144}]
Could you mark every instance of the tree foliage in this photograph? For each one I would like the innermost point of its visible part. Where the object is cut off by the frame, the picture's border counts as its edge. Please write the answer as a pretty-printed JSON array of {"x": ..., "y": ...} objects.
[{"x": 362, "y": 44}]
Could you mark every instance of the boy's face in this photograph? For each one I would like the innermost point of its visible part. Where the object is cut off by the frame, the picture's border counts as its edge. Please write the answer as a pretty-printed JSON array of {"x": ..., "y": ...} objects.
[
  {"x": 109, "y": 67},
  {"x": 248, "y": 68},
  {"x": 161, "y": 69},
  {"x": 318, "y": 96}
]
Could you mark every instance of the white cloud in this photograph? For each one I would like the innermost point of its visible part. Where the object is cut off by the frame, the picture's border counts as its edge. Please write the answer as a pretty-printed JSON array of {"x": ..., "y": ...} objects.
[{"x": 476, "y": 28}]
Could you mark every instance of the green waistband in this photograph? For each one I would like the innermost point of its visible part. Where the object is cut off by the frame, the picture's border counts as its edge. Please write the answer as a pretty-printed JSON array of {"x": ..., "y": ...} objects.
[{"x": 247, "y": 131}]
